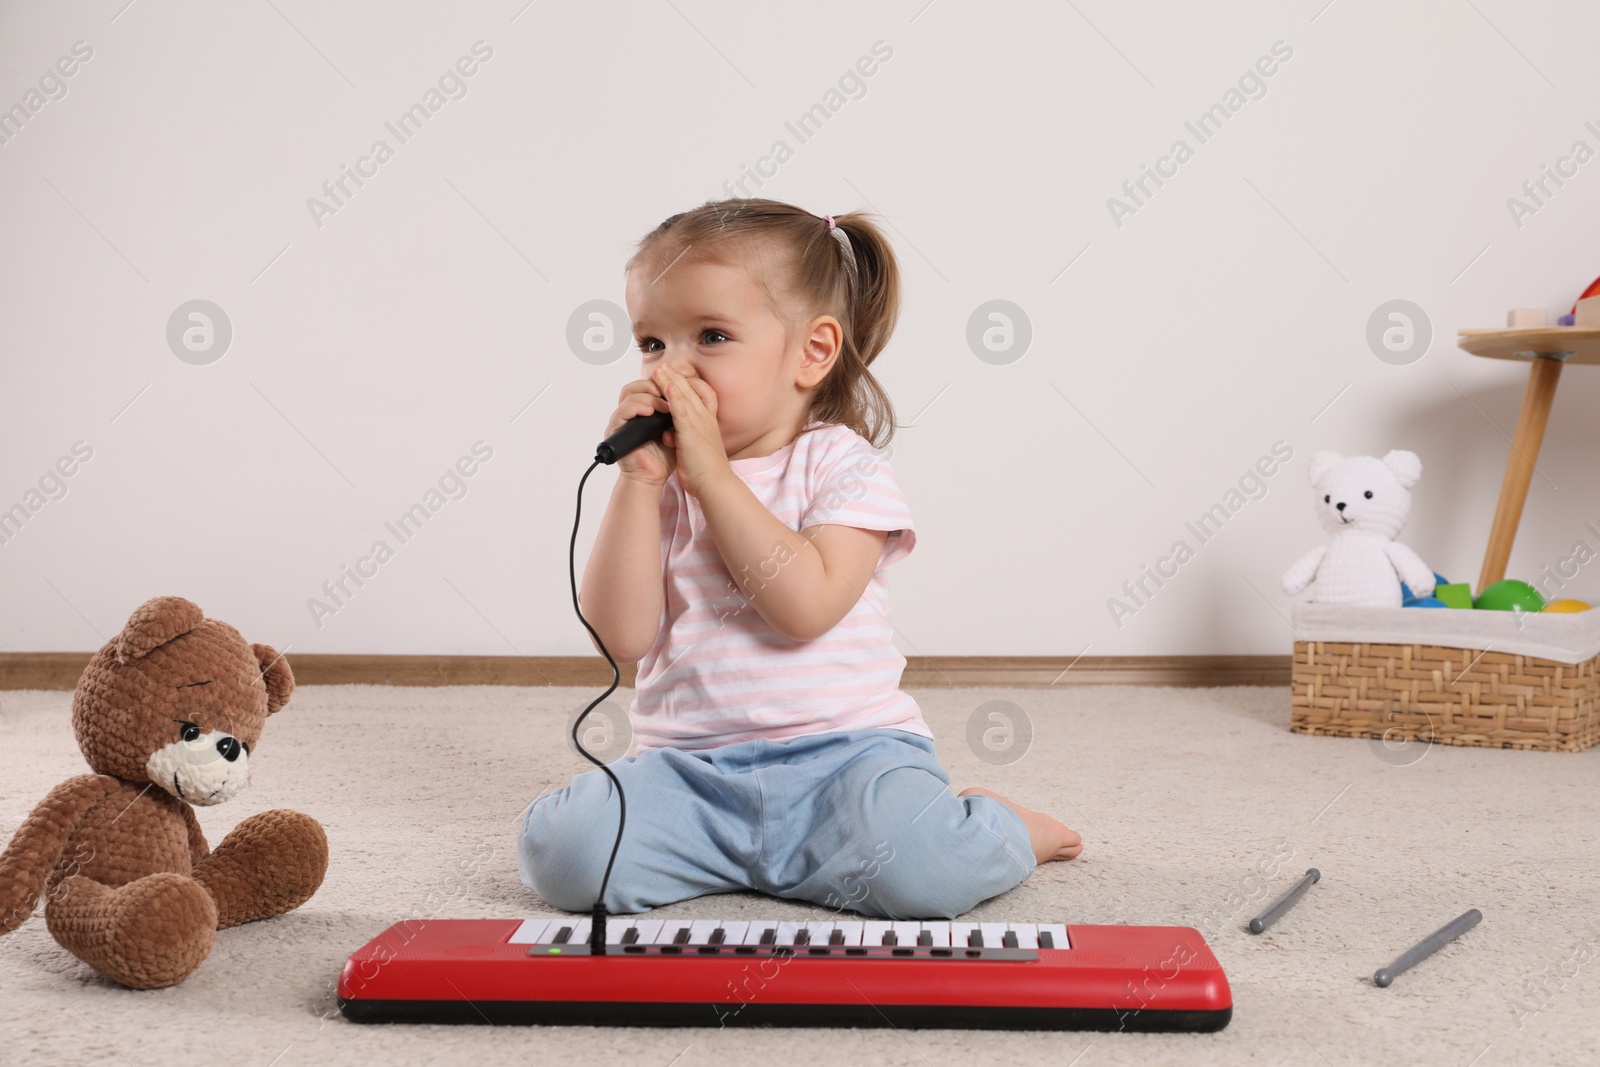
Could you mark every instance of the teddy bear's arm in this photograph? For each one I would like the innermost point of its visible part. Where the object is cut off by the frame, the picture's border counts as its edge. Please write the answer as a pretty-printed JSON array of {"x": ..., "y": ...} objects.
[
  {"x": 1299, "y": 576},
  {"x": 36, "y": 847},
  {"x": 1410, "y": 567},
  {"x": 198, "y": 849}
]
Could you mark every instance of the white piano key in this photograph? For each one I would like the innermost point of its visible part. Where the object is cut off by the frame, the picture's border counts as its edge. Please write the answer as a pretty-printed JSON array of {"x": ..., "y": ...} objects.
[
  {"x": 700, "y": 931},
  {"x": 905, "y": 933},
  {"x": 615, "y": 929},
  {"x": 1027, "y": 934},
  {"x": 940, "y": 932},
  {"x": 670, "y": 928},
  {"x": 993, "y": 934},
  {"x": 733, "y": 933},
  {"x": 787, "y": 930},
  {"x": 852, "y": 931},
  {"x": 580, "y": 930},
  {"x": 1058, "y": 931},
  {"x": 872, "y": 934},
  {"x": 959, "y": 933},
  {"x": 819, "y": 931},
  {"x": 529, "y": 932},
  {"x": 649, "y": 931}
]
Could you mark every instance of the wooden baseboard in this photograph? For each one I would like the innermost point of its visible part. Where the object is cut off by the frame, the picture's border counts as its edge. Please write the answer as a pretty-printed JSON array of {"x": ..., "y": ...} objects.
[{"x": 60, "y": 670}]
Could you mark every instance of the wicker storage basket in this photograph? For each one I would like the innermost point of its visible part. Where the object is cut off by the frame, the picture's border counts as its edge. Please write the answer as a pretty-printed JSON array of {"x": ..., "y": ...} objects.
[{"x": 1456, "y": 677}]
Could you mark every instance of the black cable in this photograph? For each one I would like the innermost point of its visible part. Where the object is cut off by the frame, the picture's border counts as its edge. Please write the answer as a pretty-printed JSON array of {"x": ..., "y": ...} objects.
[{"x": 597, "y": 929}]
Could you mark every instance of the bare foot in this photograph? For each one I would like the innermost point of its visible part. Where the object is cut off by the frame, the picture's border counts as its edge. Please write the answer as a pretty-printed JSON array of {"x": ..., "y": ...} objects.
[{"x": 1051, "y": 840}]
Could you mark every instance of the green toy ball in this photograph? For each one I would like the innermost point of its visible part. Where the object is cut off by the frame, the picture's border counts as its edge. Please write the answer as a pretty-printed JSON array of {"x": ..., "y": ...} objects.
[{"x": 1509, "y": 595}]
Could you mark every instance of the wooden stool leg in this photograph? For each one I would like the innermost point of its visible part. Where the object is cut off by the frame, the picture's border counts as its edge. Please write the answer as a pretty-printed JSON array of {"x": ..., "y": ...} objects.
[{"x": 1543, "y": 374}]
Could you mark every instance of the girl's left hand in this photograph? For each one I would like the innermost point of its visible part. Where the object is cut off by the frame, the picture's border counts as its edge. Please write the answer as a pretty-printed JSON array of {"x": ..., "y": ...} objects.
[{"x": 694, "y": 436}]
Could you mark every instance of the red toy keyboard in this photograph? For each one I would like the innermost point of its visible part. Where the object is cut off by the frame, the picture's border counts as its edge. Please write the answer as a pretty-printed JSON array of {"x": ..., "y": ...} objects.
[{"x": 679, "y": 972}]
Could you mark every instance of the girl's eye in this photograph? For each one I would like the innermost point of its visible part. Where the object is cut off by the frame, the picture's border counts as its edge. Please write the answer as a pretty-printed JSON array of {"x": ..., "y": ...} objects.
[
  {"x": 719, "y": 333},
  {"x": 644, "y": 345},
  {"x": 190, "y": 732}
]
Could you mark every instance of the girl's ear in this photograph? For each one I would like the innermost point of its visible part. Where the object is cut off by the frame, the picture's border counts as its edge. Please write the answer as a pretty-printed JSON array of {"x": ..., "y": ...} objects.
[
  {"x": 823, "y": 345},
  {"x": 276, "y": 673}
]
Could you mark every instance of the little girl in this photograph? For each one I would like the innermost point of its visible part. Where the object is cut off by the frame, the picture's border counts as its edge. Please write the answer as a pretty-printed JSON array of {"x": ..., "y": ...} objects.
[{"x": 741, "y": 562}]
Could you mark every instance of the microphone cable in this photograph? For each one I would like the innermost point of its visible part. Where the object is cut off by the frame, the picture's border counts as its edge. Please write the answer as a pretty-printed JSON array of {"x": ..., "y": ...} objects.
[{"x": 597, "y": 928}]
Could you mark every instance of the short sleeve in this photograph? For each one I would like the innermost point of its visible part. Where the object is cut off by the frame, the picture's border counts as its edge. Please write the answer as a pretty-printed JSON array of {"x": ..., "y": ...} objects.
[{"x": 856, "y": 486}]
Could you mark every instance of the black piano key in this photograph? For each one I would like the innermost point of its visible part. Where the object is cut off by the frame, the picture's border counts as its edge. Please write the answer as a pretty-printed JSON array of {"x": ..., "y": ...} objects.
[
  {"x": 681, "y": 937},
  {"x": 802, "y": 936},
  {"x": 769, "y": 936},
  {"x": 975, "y": 939},
  {"x": 925, "y": 938},
  {"x": 1046, "y": 939},
  {"x": 718, "y": 936},
  {"x": 889, "y": 938},
  {"x": 630, "y": 935},
  {"x": 836, "y": 938},
  {"x": 561, "y": 936},
  {"x": 1010, "y": 940}
]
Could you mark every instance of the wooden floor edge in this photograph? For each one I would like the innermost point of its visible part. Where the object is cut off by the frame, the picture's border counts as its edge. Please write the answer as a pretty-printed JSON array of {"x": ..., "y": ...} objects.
[{"x": 60, "y": 670}]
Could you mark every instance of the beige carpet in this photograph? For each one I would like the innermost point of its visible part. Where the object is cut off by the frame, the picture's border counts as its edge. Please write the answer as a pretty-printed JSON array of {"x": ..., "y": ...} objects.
[{"x": 1180, "y": 794}]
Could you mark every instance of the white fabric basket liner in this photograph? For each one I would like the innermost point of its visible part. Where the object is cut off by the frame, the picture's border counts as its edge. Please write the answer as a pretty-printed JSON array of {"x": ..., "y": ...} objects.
[{"x": 1562, "y": 637}]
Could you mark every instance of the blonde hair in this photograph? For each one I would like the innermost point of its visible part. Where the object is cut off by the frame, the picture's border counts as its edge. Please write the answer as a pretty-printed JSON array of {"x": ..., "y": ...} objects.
[{"x": 803, "y": 270}]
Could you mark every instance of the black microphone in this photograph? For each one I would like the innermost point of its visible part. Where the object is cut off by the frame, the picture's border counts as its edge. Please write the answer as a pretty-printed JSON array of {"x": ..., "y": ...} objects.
[{"x": 634, "y": 433}]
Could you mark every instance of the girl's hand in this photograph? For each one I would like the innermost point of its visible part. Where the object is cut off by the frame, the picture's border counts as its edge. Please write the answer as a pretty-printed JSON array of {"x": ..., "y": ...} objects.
[
  {"x": 695, "y": 437},
  {"x": 650, "y": 464}
]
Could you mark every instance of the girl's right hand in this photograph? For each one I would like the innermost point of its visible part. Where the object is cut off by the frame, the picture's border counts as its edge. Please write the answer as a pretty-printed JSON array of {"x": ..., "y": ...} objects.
[{"x": 649, "y": 464}]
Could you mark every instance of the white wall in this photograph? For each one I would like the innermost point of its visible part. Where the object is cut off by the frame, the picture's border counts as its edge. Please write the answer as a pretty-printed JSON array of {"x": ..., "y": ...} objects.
[{"x": 370, "y": 352}]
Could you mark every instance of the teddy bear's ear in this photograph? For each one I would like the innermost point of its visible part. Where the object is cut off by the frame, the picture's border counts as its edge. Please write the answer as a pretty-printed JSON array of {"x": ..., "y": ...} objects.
[
  {"x": 276, "y": 673},
  {"x": 1407, "y": 466},
  {"x": 154, "y": 623},
  {"x": 1321, "y": 464}
]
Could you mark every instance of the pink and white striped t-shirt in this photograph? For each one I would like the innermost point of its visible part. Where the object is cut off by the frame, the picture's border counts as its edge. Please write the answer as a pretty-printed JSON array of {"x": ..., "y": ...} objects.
[{"x": 718, "y": 673}]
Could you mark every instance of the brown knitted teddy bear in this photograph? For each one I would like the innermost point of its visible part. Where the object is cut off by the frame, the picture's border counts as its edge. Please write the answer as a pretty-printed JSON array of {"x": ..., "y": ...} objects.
[{"x": 168, "y": 714}]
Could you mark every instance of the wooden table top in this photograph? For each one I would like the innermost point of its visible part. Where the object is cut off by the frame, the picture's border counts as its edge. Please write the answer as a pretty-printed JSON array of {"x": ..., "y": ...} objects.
[{"x": 1580, "y": 344}]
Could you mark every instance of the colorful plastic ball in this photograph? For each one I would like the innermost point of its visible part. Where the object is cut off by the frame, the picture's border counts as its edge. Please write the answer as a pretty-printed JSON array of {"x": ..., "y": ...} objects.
[
  {"x": 1509, "y": 594},
  {"x": 1425, "y": 602},
  {"x": 1564, "y": 606},
  {"x": 1406, "y": 593}
]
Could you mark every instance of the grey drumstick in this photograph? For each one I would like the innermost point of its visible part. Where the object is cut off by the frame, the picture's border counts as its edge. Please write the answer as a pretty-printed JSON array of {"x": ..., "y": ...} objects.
[
  {"x": 1428, "y": 946},
  {"x": 1276, "y": 909}
]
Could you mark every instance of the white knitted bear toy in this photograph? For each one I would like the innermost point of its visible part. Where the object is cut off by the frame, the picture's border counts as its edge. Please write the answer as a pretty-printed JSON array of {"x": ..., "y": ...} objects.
[{"x": 1362, "y": 502}]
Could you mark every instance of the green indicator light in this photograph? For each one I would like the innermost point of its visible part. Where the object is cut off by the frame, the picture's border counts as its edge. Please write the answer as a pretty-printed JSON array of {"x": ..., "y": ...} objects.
[{"x": 556, "y": 951}]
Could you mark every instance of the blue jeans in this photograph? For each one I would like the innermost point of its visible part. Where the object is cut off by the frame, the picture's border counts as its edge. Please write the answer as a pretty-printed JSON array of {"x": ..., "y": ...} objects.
[{"x": 861, "y": 820}]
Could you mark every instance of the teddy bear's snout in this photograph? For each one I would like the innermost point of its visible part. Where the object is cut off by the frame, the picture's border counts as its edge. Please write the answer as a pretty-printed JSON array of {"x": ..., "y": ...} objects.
[{"x": 201, "y": 768}]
